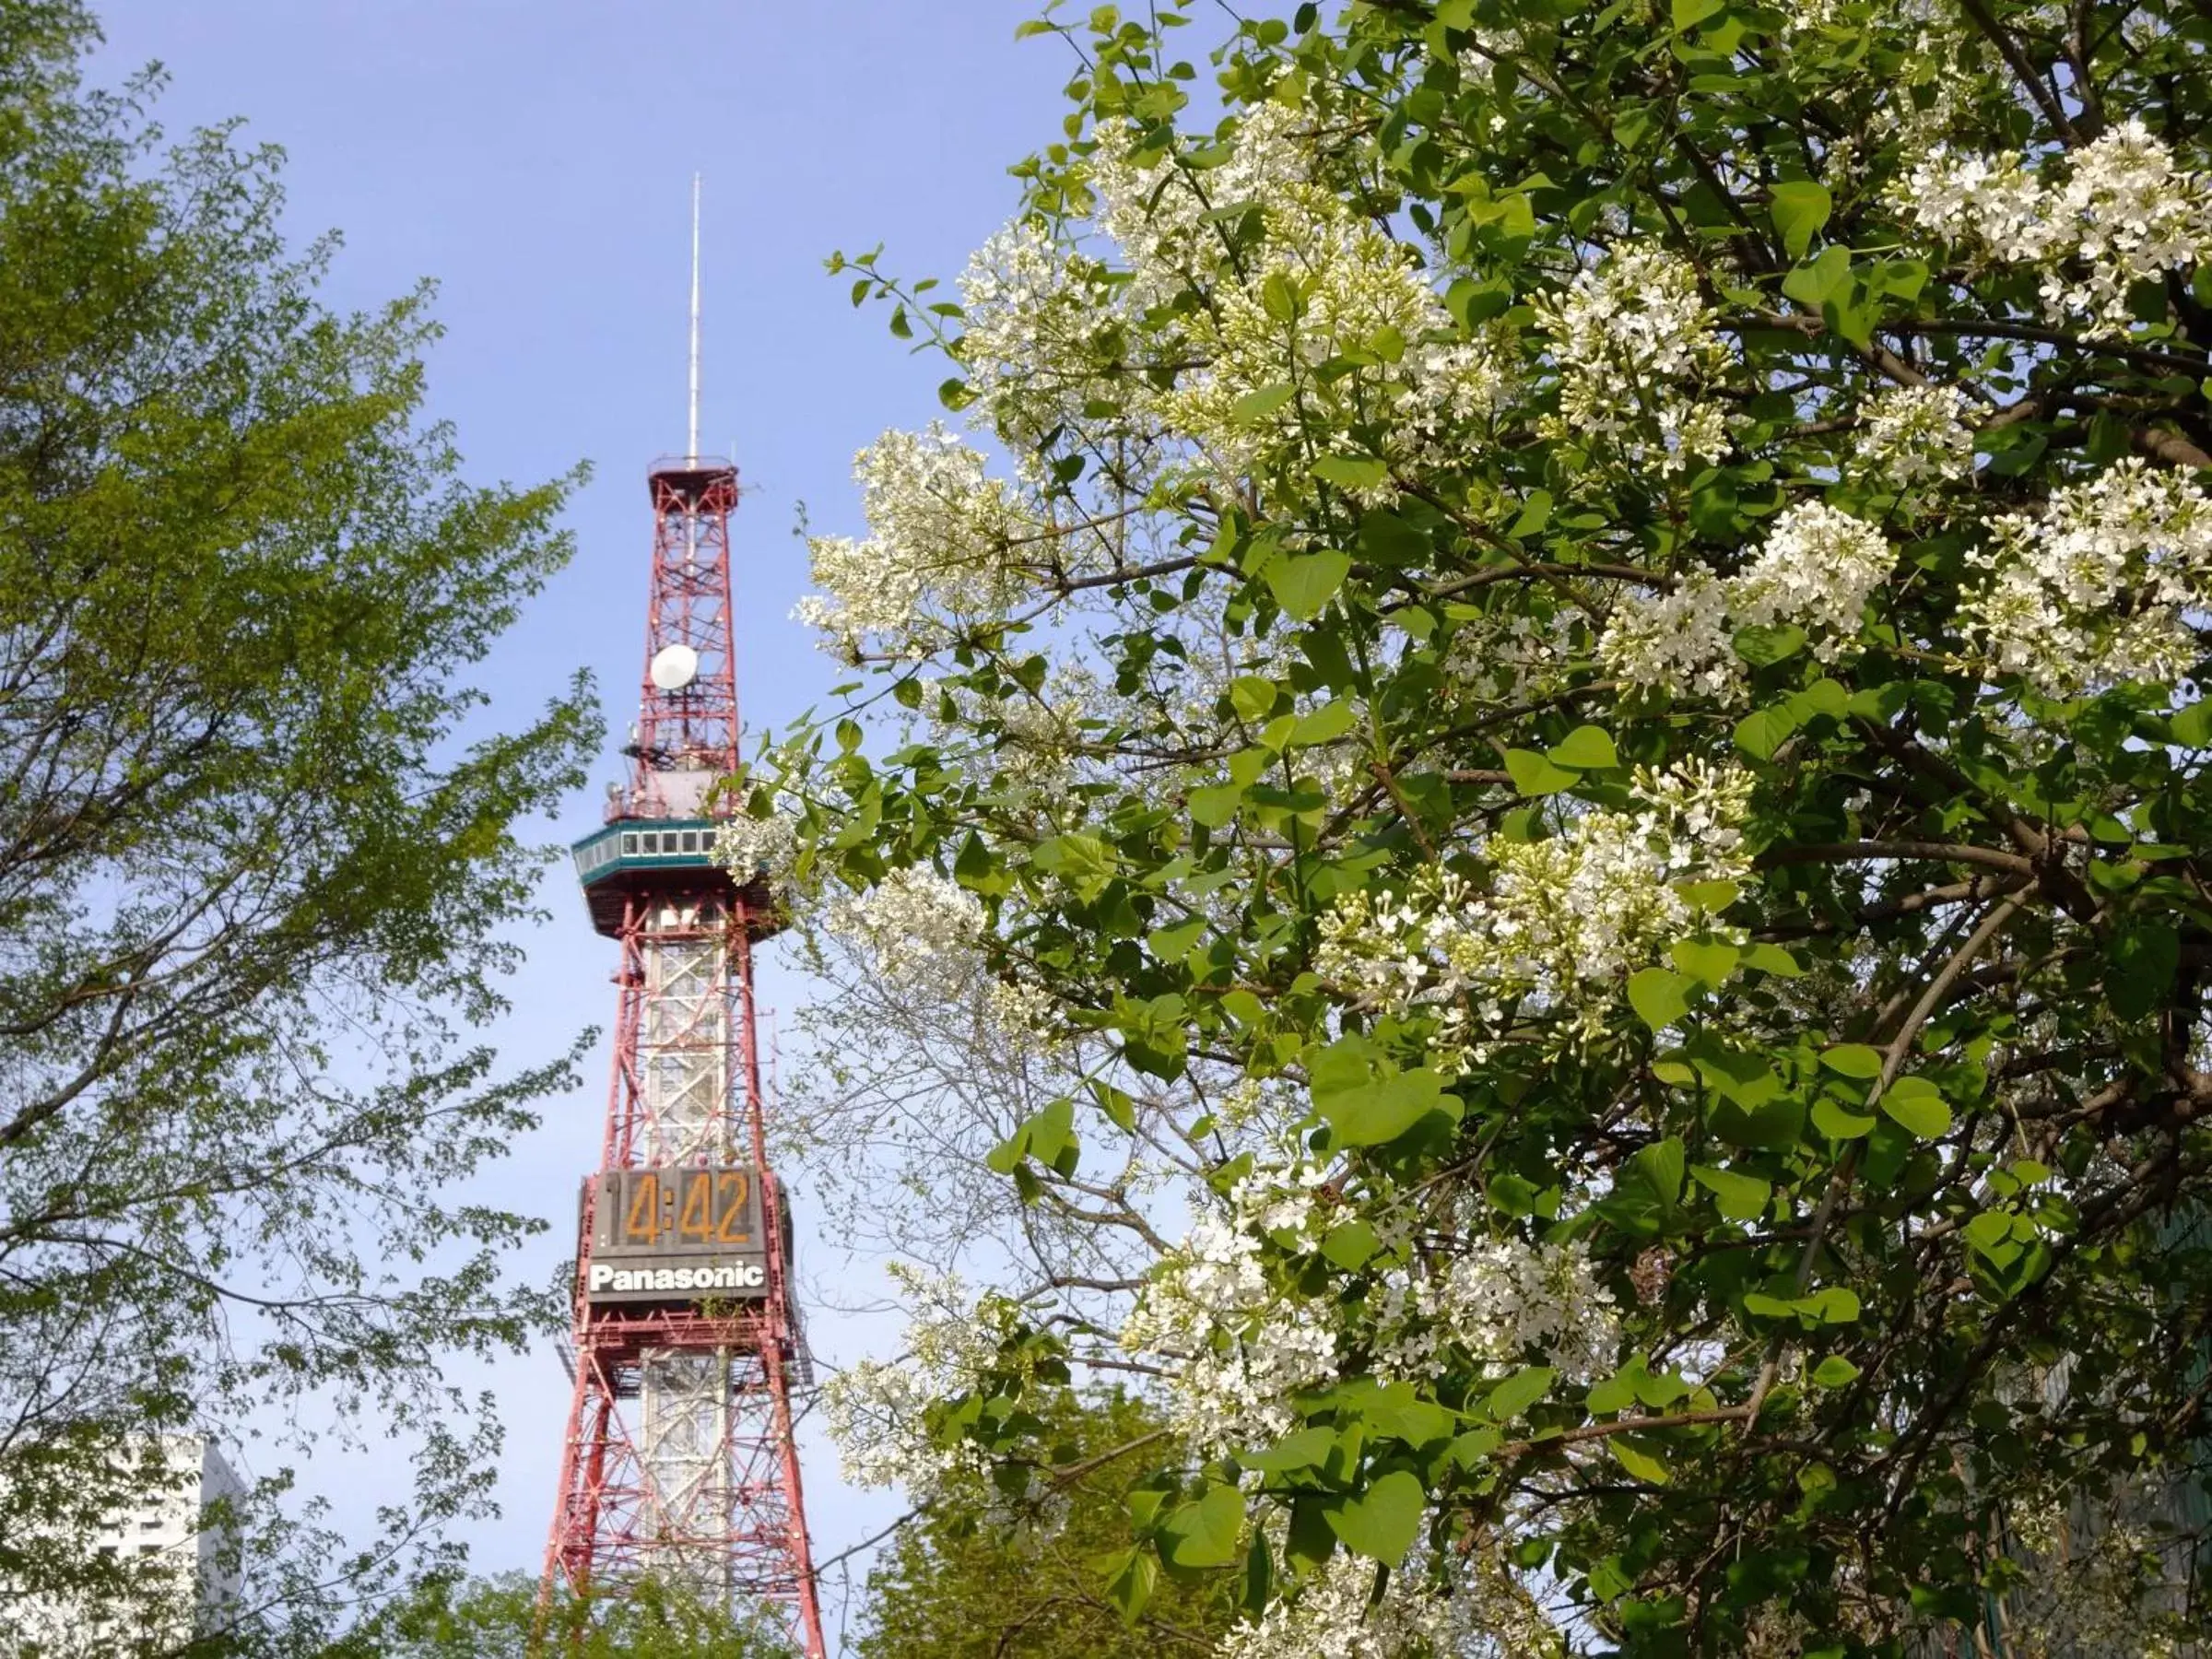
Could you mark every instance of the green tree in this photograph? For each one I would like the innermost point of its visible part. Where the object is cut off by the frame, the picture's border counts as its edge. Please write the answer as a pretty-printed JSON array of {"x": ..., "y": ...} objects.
[
  {"x": 259, "y": 864},
  {"x": 1577, "y": 724},
  {"x": 986, "y": 1574},
  {"x": 502, "y": 1617}
]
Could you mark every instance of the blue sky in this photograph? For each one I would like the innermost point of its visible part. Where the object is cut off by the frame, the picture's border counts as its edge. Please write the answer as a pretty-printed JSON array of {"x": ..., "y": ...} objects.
[{"x": 536, "y": 160}]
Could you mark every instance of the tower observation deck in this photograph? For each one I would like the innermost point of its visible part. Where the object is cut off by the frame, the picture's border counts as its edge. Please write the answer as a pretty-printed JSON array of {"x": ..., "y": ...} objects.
[{"x": 679, "y": 1461}]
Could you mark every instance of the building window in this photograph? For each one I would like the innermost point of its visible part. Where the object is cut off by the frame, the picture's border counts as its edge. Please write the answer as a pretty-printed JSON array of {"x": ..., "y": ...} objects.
[
  {"x": 691, "y": 840},
  {"x": 630, "y": 842}
]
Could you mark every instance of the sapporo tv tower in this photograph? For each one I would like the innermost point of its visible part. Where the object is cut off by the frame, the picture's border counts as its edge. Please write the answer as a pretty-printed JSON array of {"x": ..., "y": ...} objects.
[{"x": 679, "y": 1461}]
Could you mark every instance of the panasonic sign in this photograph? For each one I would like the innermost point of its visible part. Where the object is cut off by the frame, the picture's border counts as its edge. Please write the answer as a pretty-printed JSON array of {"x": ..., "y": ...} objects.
[{"x": 641, "y": 1281}]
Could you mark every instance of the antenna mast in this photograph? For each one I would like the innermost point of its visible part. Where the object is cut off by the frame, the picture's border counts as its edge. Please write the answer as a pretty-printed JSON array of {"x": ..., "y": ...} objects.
[{"x": 691, "y": 450}]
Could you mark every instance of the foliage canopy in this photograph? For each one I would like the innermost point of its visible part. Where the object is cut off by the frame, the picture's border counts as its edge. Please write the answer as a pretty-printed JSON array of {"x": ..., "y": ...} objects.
[
  {"x": 1575, "y": 722},
  {"x": 258, "y": 854}
]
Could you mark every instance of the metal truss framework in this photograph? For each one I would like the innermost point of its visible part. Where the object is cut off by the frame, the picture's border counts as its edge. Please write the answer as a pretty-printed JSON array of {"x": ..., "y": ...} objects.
[{"x": 679, "y": 1459}]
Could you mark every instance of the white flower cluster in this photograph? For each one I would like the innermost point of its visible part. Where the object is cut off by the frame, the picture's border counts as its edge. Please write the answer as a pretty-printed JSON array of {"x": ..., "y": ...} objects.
[
  {"x": 1035, "y": 740},
  {"x": 1330, "y": 1619},
  {"x": 1564, "y": 918},
  {"x": 943, "y": 536},
  {"x": 2094, "y": 589},
  {"x": 1238, "y": 1348},
  {"x": 1355, "y": 297},
  {"x": 874, "y": 1411},
  {"x": 1914, "y": 435},
  {"x": 1358, "y": 295},
  {"x": 1166, "y": 214},
  {"x": 1816, "y": 571},
  {"x": 750, "y": 847},
  {"x": 920, "y": 929},
  {"x": 1498, "y": 1301},
  {"x": 1680, "y": 638},
  {"x": 2124, "y": 211},
  {"x": 1029, "y": 314},
  {"x": 1628, "y": 336}
]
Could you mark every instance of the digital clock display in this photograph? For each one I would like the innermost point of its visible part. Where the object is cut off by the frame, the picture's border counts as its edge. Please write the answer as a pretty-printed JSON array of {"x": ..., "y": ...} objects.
[
  {"x": 678, "y": 1212},
  {"x": 675, "y": 1234}
]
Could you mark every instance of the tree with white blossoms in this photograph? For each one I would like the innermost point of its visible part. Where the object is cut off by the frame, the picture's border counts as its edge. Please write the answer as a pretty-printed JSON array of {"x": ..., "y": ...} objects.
[{"x": 1569, "y": 743}]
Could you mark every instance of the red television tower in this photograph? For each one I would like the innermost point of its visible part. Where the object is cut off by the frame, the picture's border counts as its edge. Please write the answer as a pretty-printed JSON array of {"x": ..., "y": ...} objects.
[{"x": 678, "y": 1462}]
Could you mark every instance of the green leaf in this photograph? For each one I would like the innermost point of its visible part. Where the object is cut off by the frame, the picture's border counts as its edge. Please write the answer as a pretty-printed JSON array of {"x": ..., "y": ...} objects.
[
  {"x": 1834, "y": 1119},
  {"x": 1534, "y": 775},
  {"x": 1252, "y": 696},
  {"x": 1082, "y": 861},
  {"x": 1129, "y": 1587},
  {"x": 1712, "y": 895},
  {"x": 1917, "y": 1105},
  {"x": 1382, "y": 1522},
  {"x": 2144, "y": 954},
  {"x": 1991, "y": 1234},
  {"x": 1773, "y": 959},
  {"x": 1005, "y": 1157},
  {"x": 1761, "y": 732},
  {"x": 1351, "y": 1246},
  {"x": 1255, "y": 406},
  {"x": 1052, "y": 1136},
  {"x": 1172, "y": 944},
  {"x": 1688, "y": 14},
  {"x": 1740, "y": 1197},
  {"x": 1834, "y": 1305},
  {"x": 1815, "y": 284},
  {"x": 1587, "y": 748},
  {"x": 1616, "y": 1393},
  {"x": 1656, "y": 1171},
  {"x": 1709, "y": 962},
  {"x": 1304, "y": 1449},
  {"x": 1214, "y": 804},
  {"x": 1835, "y": 1372},
  {"x": 1659, "y": 995},
  {"x": 1259, "y": 1575},
  {"x": 1852, "y": 1060},
  {"x": 1380, "y": 1109},
  {"x": 1535, "y": 513},
  {"x": 1324, "y": 724},
  {"x": 1118, "y": 1107},
  {"x": 1389, "y": 540},
  {"x": 1824, "y": 696},
  {"x": 1761, "y": 646},
  {"x": 1204, "y": 1534},
  {"x": 1641, "y": 1465},
  {"x": 1518, "y": 1392},
  {"x": 2192, "y": 727},
  {"x": 1799, "y": 209},
  {"x": 1302, "y": 583},
  {"x": 1351, "y": 471},
  {"x": 1402, "y": 1417}
]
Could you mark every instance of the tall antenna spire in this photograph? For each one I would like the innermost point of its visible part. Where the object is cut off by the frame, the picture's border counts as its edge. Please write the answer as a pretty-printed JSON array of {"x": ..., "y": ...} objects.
[{"x": 691, "y": 452}]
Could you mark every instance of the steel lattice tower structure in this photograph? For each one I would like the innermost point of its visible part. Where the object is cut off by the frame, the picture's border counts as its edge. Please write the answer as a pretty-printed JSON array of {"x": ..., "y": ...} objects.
[{"x": 686, "y": 1344}]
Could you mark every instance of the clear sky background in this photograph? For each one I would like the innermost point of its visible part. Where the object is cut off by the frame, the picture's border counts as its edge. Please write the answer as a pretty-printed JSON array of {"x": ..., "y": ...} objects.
[{"x": 536, "y": 159}]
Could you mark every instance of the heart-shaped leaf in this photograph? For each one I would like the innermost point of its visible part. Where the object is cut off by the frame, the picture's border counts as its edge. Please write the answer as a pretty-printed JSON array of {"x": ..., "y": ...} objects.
[
  {"x": 1659, "y": 995},
  {"x": 1382, "y": 1522},
  {"x": 1916, "y": 1104},
  {"x": 1587, "y": 748},
  {"x": 1204, "y": 1534}
]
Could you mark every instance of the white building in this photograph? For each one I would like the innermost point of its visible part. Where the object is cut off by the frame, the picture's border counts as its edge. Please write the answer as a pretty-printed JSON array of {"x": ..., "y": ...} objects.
[{"x": 181, "y": 1560}]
